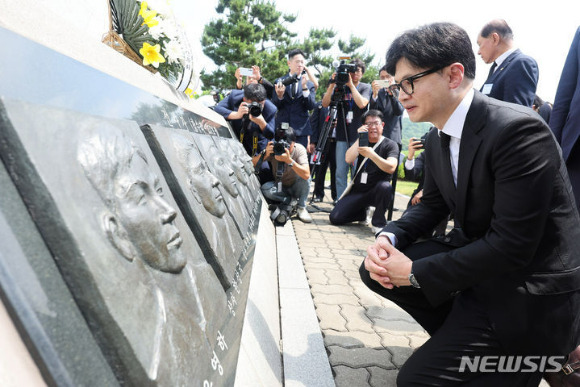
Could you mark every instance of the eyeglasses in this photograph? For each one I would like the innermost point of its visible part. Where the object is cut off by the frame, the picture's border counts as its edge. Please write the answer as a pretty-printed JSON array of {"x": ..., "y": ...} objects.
[
  {"x": 374, "y": 123},
  {"x": 407, "y": 84}
]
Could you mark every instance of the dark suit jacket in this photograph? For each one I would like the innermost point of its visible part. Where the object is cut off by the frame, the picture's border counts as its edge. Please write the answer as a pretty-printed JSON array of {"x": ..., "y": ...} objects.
[
  {"x": 392, "y": 111},
  {"x": 295, "y": 109},
  {"x": 515, "y": 80},
  {"x": 565, "y": 117},
  {"x": 231, "y": 103},
  {"x": 317, "y": 119},
  {"x": 512, "y": 201}
]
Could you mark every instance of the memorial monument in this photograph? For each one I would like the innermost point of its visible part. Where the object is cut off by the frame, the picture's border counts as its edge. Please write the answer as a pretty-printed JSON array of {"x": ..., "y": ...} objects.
[{"x": 130, "y": 217}]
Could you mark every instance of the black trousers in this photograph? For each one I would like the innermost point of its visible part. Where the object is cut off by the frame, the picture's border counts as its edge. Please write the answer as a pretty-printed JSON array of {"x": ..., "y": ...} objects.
[
  {"x": 352, "y": 207},
  {"x": 459, "y": 327}
]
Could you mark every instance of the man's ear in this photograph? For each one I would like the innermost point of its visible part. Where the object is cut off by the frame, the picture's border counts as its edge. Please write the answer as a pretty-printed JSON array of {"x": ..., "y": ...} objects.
[
  {"x": 117, "y": 235},
  {"x": 456, "y": 74},
  {"x": 193, "y": 190}
]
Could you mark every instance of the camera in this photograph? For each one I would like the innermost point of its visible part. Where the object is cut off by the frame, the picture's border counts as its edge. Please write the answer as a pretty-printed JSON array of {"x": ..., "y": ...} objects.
[
  {"x": 292, "y": 79},
  {"x": 422, "y": 139},
  {"x": 280, "y": 143},
  {"x": 363, "y": 139},
  {"x": 255, "y": 108},
  {"x": 342, "y": 71},
  {"x": 280, "y": 213}
]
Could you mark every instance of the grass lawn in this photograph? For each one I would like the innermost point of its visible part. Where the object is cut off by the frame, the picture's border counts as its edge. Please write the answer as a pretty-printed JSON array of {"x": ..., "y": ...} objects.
[{"x": 406, "y": 187}]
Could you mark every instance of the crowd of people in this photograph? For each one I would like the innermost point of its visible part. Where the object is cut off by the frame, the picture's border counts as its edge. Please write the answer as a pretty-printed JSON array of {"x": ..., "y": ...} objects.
[{"x": 505, "y": 280}]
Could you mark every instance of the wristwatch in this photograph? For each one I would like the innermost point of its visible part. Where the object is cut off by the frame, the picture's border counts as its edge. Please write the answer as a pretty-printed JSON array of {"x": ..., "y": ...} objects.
[
  {"x": 414, "y": 281},
  {"x": 291, "y": 164}
]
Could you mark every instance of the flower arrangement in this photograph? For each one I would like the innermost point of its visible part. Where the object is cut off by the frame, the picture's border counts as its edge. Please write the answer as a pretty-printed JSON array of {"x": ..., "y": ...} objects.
[{"x": 154, "y": 40}]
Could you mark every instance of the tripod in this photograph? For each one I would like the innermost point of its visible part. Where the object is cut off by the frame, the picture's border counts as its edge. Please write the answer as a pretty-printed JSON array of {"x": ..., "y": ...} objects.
[{"x": 319, "y": 155}]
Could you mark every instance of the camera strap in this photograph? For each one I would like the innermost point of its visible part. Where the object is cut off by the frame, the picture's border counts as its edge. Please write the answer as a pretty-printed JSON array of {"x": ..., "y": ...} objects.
[{"x": 351, "y": 182}]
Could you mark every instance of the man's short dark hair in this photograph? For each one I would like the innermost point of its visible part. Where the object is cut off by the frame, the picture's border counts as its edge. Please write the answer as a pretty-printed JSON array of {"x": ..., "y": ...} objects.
[
  {"x": 498, "y": 26},
  {"x": 255, "y": 92},
  {"x": 294, "y": 52},
  {"x": 359, "y": 64},
  {"x": 285, "y": 134},
  {"x": 372, "y": 113},
  {"x": 384, "y": 68},
  {"x": 433, "y": 45}
]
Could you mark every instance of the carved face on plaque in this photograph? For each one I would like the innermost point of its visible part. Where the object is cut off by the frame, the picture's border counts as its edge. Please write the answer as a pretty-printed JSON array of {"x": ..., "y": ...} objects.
[
  {"x": 204, "y": 184},
  {"x": 223, "y": 170},
  {"x": 239, "y": 169},
  {"x": 139, "y": 222}
]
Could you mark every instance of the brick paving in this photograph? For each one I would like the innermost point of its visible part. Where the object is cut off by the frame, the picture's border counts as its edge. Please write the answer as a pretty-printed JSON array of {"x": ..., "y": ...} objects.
[{"x": 367, "y": 338}]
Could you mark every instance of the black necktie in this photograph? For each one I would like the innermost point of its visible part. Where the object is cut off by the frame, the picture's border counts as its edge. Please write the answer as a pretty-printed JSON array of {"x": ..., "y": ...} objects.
[
  {"x": 491, "y": 70},
  {"x": 444, "y": 140}
]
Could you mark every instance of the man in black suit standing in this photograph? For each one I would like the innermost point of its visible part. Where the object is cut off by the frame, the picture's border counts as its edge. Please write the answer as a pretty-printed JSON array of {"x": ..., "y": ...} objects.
[
  {"x": 295, "y": 99},
  {"x": 388, "y": 104},
  {"x": 504, "y": 282},
  {"x": 513, "y": 76}
]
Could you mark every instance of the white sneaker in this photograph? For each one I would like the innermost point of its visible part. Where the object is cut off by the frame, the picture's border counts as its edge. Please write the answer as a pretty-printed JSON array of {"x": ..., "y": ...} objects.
[
  {"x": 370, "y": 213},
  {"x": 376, "y": 229},
  {"x": 303, "y": 215}
]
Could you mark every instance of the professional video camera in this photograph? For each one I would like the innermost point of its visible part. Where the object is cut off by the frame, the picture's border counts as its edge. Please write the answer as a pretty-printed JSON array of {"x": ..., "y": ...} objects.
[
  {"x": 280, "y": 143},
  {"x": 342, "y": 70}
]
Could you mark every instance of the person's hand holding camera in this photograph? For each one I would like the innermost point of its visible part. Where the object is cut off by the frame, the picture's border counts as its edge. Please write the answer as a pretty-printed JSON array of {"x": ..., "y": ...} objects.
[
  {"x": 240, "y": 113},
  {"x": 239, "y": 78},
  {"x": 280, "y": 89},
  {"x": 376, "y": 87},
  {"x": 285, "y": 157},
  {"x": 364, "y": 149},
  {"x": 258, "y": 120},
  {"x": 414, "y": 145}
]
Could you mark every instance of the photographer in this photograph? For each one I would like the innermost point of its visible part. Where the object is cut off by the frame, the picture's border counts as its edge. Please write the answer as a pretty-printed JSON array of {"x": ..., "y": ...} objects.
[
  {"x": 294, "y": 97},
  {"x": 388, "y": 103},
  {"x": 290, "y": 166},
  {"x": 377, "y": 161},
  {"x": 352, "y": 98},
  {"x": 251, "y": 116}
]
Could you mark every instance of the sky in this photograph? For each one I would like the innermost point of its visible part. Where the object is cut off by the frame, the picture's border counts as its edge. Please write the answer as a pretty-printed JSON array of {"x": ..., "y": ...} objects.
[{"x": 543, "y": 30}]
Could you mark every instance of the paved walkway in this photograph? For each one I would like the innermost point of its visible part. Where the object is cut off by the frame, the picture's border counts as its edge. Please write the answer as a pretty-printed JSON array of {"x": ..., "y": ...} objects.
[{"x": 367, "y": 338}]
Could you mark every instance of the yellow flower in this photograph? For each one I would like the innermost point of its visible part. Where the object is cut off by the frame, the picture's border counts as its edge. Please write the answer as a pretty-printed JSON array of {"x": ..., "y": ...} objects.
[
  {"x": 151, "y": 55},
  {"x": 148, "y": 16},
  {"x": 189, "y": 92}
]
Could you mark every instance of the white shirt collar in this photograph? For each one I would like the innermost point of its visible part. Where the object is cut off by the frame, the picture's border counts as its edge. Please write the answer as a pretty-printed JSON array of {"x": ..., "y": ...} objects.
[
  {"x": 503, "y": 56},
  {"x": 454, "y": 125}
]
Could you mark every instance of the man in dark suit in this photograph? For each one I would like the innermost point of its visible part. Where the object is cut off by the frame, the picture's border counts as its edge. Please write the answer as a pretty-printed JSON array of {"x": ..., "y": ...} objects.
[
  {"x": 388, "y": 104},
  {"x": 295, "y": 100},
  {"x": 513, "y": 76},
  {"x": 565, "y": 118},
  {"x": 505, "y": 281},
  {"x": 253, "y": 131}
]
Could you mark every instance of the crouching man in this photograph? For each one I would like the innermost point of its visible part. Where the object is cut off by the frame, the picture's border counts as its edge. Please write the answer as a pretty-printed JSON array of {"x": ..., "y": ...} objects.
[
  {"x": 371, "y": 187},
  {"x": 290, "y": 167}
]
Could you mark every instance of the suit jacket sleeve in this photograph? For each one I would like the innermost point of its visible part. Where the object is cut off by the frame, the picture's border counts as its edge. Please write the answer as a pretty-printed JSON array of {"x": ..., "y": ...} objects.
[
  {"x": 568, "y": 88},
  {"x": 523, "y": 163}
]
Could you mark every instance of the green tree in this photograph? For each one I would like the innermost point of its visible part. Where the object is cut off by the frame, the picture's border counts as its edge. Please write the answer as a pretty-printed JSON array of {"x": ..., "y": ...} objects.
[
  {"x": 249, "y": 32},
  {"x": 246, "y": 32}
]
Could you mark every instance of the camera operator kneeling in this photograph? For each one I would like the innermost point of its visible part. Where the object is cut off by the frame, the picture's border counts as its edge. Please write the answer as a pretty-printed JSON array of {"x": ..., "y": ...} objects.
[{"x": 292, "y": 175}]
